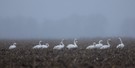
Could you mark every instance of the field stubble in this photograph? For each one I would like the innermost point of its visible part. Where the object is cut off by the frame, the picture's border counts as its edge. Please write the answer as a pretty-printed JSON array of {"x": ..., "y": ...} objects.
[{"x": 26, "y": 57}]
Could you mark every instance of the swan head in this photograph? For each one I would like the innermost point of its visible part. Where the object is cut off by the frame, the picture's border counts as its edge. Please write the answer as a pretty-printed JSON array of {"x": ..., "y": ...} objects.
[
  {"x": 100, "y": 41},
  {"x": 40, "y": 41},
  {"x": 76, "y": 41},
  {"x": 62, "y": 40},
  {"x": 47, "y": 44},
  {"x": 119, "y": 38},
  {"x": 14, "y": 43}
]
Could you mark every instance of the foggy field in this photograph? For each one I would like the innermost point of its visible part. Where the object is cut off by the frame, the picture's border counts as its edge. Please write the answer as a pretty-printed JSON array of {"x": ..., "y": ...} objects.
[
  {"x": 26, "y": 57},
  {"x": 51, "y": 21}
]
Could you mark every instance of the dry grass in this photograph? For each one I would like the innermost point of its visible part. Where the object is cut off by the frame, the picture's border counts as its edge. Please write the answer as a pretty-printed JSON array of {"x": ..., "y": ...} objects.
[{"x": 25, "y": 57}]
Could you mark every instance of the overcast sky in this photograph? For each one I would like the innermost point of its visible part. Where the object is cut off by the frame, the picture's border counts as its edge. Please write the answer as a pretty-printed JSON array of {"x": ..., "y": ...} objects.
[{"x": 66, "y": 19}]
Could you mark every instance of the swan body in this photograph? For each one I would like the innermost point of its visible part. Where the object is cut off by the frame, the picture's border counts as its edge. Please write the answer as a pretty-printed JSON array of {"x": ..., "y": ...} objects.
[
  {"x": 13, "y": 46},
  {"x": 38, "y": 46},
  {"x": 91, "y": 46},
  {"x": 121, "y": 45},
  {"x": 45, "y": 46},
  {"x": 99, "y": 45},
  {"x": 60, "y": 46},
  {"x": 72, "y": 46},
  {"x": 106, "y": 46}
]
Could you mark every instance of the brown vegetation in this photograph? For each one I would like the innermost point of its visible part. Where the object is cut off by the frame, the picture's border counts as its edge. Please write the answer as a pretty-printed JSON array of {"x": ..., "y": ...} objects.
[{"x": 25, "y": 57}]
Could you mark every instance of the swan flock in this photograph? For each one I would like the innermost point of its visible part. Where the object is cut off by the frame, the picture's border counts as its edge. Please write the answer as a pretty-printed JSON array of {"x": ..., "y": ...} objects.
[{"x": 61, "y": 46}]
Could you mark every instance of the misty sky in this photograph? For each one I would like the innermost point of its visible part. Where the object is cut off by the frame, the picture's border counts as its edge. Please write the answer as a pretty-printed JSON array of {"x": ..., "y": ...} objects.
[{"x": 66, "y": 19}]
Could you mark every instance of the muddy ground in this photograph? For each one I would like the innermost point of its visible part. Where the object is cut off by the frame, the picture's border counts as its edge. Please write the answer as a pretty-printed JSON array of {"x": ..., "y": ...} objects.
[{"x": 26, "y": 57}]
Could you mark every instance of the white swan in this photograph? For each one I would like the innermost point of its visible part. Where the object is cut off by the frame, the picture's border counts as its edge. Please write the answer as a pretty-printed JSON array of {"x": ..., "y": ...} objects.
[
  {"x": 121, "y": 45},
  {"x": 45, "y": 46},
  {"x": 91, "y": 46},
  {"x": 12, "y": 46},
  {"x": 60, "y": 46},
  {"x": 106, "y": 46},
  {"x": 72, "y": 46},
  {"x": 38, "y": 46},
  {"x": 99, "y": 44}
]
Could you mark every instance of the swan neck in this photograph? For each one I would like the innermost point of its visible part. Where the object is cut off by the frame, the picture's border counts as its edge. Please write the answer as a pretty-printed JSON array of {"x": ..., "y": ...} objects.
[
  {"x": 108, "y": 42},
  {"x": 39, "y": 43},
  {"x": 62, "y": 43},
  {"x": 100, "y": 42},
  {"x": 75, "y": 42},
  {"x": 120, "y": 40}
]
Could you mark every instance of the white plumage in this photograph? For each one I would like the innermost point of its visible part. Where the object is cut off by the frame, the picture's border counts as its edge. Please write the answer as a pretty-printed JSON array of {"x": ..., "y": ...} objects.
[
  {"x": 12, "y": 46},
  {"x": 60, "y": 46},
  {"x": 121, "y": 45},
  {"x": 99, "y": 44},
  {"x": 91, "y": 46},
  {"x": 38, "y": 46},
  {"x": 45, "y": 46},
  {"x": 106, "y": 46},
  {"x": 72, "y": 46}
]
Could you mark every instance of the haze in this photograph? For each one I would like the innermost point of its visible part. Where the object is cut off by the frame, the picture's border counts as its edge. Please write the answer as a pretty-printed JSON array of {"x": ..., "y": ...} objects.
[{"x": 28, "y": 19}]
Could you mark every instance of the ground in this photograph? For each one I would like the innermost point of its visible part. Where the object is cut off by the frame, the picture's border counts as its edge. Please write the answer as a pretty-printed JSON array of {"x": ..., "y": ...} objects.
[{"x": 26, "y": 57}]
